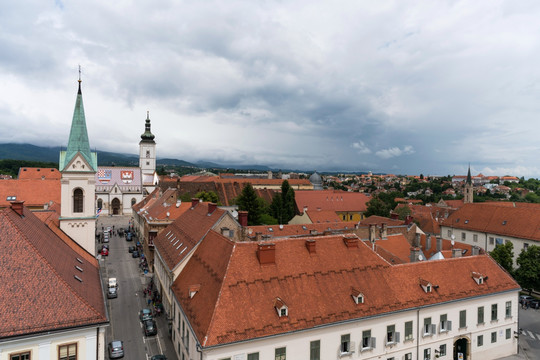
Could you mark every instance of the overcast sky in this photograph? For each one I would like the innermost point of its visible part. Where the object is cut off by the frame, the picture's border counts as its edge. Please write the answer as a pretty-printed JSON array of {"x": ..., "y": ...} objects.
[{"x": 404, "y": 87}]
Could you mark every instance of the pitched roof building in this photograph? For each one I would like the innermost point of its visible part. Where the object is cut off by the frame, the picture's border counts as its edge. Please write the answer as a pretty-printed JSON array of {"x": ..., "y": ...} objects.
[
  {"x": 332, "y": 295},
  {"x": 52, "y": 296}
]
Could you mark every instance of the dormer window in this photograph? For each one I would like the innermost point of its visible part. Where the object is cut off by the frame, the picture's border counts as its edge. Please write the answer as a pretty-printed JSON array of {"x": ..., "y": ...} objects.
[
  {"x": 357, "y": 296},
  {"x": 281, "y": 309},
  {"x": 193, "y": 289},
  {"x": 479, "y": 278},
  {"x": 426, "y": 285}
]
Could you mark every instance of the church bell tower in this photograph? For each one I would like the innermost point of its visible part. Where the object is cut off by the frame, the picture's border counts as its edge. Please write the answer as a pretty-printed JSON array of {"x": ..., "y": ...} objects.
[
  {"x": 78, "y": 166},
  {"x": 147, "y": 157}
]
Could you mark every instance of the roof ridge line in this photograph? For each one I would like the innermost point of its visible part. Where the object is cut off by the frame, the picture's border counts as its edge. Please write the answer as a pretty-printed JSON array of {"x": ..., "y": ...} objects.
[{"x": 211, "y": 323}]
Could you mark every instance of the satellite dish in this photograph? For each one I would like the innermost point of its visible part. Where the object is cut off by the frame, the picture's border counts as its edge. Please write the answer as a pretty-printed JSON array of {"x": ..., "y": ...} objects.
[
  {"x": 250, "y": 231},
  {"x": 168, "y": 214},
  {"x": 420, "y": 257},
  {"x": 453, "y": 237},
  {"x": 452, "y": 242},
  {"x": 281, "y": 227}
]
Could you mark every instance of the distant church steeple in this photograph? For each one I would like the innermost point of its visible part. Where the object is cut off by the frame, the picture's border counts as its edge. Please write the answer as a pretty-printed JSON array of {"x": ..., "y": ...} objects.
[
  {"x": 147, "y": 157},
  {"x": 468, "y": 191}
]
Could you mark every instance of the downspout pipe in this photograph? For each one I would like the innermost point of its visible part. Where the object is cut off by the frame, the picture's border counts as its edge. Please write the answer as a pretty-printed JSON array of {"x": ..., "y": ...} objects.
[{"x": 418, "y": 333}]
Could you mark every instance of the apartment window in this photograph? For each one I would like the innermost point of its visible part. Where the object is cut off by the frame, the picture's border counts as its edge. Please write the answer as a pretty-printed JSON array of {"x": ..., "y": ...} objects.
[
  {"x": 367, "y": 341},
  {"x": 225, "y": 359},
  {"x": 78, "y": 201},
  {"x": 475, "y": 237},
  {"x": 442, "y": 350},
  {"x": 449, "y": 233},
  {"x": 346, "y": 343},
  {"x": 493, "y": 312},
  {"x": 480, "y": 340},
  {"x": 480, "y": 315},
  {"x": 494, "y": 337},
  {"x": 314, "y": 350},
  {"x": 20, "y": 356},
  {"x": 525, "y": 246},
  {"x": 67, "y": 352},
  {"x": 463, "y": 236},
  {"x": 187, "y": 341},
  {"x": 427, "y": 354},
  {"x": 428, "y": 327},
  {"x": 408, "y": 330},
  {"x": 408, "y": 356},
  {"x": 253, "y": 356},
  {"x": 508, "y": 333},
  {"x": 445, "y": 324},
  {"x": 491, "y": 240},
  {"x": 508, "y": 309},
  {"x": 281, "y": 353},
  {"x": 392, "y": 337},
  {"x": 463, "y": 319}
]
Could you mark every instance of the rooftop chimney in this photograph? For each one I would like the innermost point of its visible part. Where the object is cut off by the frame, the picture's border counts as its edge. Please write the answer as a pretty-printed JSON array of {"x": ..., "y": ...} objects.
[
  {"x": 439, "y": 243},
  {"x": 17, "y": 206},
  {"x": 258, "y": 236},
  {"x": 394, "y": 216},
  {"x": 456, "y": 253},
  {"x": 211, "y": 208},
  {"x": 305, "y": 209},
  {"x": 428, "y": 241},
  {"x": 371, "y": 232},
  {"x": 351, "y": 241},
  {"x": 384, "y": 231},
  {"x": 417, "y": 240},
  {"x": 475, "y": 250},
  {"x": 408, "y": 220},
  {"x": 266, "y": 253},
  {"x": 242, "y": 218},
  {"x": 310, "y": 245},
  {"x": 194, "y": 202}
]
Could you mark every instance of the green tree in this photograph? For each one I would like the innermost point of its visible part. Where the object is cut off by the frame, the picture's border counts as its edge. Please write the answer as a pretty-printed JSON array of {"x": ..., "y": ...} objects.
[
  {"x": 249, "y": 201},
  {"x": 403, "y": 212},
  {"x": 376, "y": 206},
  {"x": 504, "y": 255},
  {"x": 283, "y": 205},
  {"x": 528, "y": 273},
  {"x": 208, "y": 196}
]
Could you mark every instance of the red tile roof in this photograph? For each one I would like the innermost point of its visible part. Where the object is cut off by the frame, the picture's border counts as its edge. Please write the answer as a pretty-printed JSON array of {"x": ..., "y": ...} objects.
[
  {"x": 34, "y": 192},
  {"x": 395, "y": 249},
  {"x": 376, "y": 220},
  {"x": 299, "y": 230},
  {"x": 519, "y": 222},
  {"x": 40, "y": 291},
  {"x": 231, "y": 278},
  {"x": 323, "y": 216},
  {"x": 334, "y": 200},
  {"x": 178, "y": 239},
  {"x": 29, "y": 173}
]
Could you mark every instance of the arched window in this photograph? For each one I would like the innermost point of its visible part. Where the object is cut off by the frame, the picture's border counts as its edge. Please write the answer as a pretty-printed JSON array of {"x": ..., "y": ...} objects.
[
  {"x": 78, "y": 201},
  {"x": 100, "y": 204},
  {"x": 147, "y": 153},
  {"x": 133, "y": 201}
]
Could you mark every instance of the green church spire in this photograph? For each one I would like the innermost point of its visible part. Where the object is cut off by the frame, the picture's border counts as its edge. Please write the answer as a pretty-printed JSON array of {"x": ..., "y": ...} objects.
[{"x": 78, "y": 137}]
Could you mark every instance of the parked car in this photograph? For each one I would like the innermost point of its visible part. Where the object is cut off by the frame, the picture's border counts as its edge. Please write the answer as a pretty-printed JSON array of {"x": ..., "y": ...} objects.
[
  {"x": 145, "y": 314},
  {"x": 104, "y": 252},
  {"x": 116, "y": 349},
  {"x": 105, "y": 246},
  {"x": 135, "y": 254},
  {"x": 129, "y": 236},
  {"x": 523, "y": 299},
  {"x": 150, "y": 327},
  {"x": 534, "y": 304},
  {"x": 159, "y": 357},
  {"x": 131, "y": 249},
  {"x": 112, "y": 292}
]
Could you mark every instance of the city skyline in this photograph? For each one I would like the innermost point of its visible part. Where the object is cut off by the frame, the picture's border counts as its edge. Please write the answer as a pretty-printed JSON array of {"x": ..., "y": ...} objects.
[{"x": 415, "y": 88}]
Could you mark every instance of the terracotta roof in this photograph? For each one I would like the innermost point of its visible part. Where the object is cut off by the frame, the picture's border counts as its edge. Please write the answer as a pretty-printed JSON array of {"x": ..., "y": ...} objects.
[
  {"x": 376, "y": 220},
  {"x": 299, "y": 230},
  {"x": 150, "y": 197},
  {"x": 164, "y": 207},
  {"x": 37, "y": 278},
  {"x": 395, "y": 249},
  {"x": 26, "y": 173},
  {"x": 323, "y": 216},
  {"x": 231, "y": 278},
  {"x": 331, "y": 200},
  {"x": 519, "y": 222},
  {"x": 177, "y": 240},
  {"x": 34, "y": 192}
]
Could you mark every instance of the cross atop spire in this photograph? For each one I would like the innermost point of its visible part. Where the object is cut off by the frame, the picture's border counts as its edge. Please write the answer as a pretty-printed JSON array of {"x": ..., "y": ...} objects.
[
  {"x": 78, "y": 136},
  {"x": 147, "y": 136}
]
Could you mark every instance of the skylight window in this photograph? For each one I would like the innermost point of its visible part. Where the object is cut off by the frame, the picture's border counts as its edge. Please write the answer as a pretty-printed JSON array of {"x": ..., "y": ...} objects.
[
  {"x": 79, "y": 260},
  {"x": 79, "y": 268},
  {"x": 78, "y": 278},
  {"x": 304, "y": 227},
  {"x": 504, "y": 222},
  {"x": 270, "y": 229}
]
